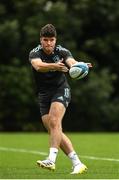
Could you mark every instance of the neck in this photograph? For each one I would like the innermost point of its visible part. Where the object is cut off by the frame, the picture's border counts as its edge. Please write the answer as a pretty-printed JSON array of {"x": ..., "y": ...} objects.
[{"x": 48, "y": 52}]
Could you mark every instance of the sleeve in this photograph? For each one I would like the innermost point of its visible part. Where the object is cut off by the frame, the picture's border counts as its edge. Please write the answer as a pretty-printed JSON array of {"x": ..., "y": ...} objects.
[
  {"x": 66, "y": 54},
  {"x": 34, "y": 54}
]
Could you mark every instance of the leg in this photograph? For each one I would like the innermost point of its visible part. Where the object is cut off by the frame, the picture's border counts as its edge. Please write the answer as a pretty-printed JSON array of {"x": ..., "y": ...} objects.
[
  {"x": 54, "y": 125},
  {"x": 67, "y": 148},
  {"x": 56, "y": 114},
  {"x": 65, "y": 144}
]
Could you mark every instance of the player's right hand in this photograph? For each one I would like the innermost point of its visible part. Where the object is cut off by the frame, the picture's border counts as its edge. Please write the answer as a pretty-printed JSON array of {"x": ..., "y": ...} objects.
[{"x": 61, "y": 67}]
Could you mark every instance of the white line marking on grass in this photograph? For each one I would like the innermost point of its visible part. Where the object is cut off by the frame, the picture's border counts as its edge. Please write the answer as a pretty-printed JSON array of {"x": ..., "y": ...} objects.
[
  {"x": 45, "y": 154},
  {"x": 22, "y": 151},
  {"x": 100, "y": 158}
]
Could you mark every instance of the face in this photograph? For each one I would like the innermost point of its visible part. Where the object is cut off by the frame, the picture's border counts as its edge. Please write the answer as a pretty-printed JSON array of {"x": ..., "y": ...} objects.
[{"x": 48, "y": 44}]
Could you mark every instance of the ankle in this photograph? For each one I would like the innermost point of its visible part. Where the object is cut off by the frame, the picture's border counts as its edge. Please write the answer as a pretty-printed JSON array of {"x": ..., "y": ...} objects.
[
  {"x": 74, "y": 158},
  {"x": 53, "y": 154}
]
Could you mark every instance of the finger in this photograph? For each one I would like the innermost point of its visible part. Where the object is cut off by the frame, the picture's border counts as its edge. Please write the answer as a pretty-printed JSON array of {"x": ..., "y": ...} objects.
[
  {"x": 61, "y": 64},
  {"x": 89, "y": 64},
  {"x": 65, "y": 70}
]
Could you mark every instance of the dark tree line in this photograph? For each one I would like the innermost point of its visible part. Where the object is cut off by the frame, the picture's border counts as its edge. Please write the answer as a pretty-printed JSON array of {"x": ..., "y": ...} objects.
[{"x": 89, "y": 29}]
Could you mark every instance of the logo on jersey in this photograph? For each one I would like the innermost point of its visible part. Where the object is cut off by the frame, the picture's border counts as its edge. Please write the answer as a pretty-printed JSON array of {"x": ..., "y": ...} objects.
[
  {"x": 60, "y": 98},
  {"x": 56, "y": 58},
  {"x": 66, "y": 92}
]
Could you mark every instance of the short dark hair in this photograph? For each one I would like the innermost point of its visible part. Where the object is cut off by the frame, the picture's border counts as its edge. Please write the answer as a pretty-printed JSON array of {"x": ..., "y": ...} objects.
[{"x": 48, "y": 31}]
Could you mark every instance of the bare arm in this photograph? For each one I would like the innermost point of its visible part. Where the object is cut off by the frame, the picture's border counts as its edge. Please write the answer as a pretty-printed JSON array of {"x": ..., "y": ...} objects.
[
  {"x": 71, "y": 61},
  {"x": 41, "y": 66}
]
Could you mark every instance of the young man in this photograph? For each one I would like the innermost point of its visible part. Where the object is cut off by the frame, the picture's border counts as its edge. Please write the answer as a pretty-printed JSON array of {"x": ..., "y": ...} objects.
[{"x": 49, "y": 63}]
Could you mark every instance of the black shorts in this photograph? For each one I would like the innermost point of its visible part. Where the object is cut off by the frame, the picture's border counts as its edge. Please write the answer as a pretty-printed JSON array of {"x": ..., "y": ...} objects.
[{"x": 61, "y": 94}]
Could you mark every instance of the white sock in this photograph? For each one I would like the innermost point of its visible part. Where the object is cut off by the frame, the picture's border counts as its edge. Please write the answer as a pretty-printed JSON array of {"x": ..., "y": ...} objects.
[
  {"x": 53, "y": 154},
  {"x": 74, "y": 158}
]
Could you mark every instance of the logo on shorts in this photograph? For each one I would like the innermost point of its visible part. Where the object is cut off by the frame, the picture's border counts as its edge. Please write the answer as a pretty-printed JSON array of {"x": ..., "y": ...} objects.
[{"x": 60, "y": 98}]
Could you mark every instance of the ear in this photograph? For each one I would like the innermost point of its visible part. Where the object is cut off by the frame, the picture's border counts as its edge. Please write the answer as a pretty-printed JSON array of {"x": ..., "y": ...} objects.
[{"x": 40, "y": 39}]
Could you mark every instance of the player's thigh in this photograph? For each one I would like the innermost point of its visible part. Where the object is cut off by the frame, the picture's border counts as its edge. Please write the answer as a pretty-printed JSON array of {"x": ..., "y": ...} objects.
[
  {"x": 45, "y": 120},
  {"x": 57, "y": 111}
]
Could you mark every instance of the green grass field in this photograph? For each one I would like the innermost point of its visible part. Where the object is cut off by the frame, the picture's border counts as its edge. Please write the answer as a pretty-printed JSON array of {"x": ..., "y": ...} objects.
[{"x": 19, "y": 153}]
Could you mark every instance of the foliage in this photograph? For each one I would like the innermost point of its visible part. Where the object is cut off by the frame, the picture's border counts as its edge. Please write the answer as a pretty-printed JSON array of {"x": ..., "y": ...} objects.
[
  {"x": 93, "y": 102},
  {"x": 17, "y": 97}
]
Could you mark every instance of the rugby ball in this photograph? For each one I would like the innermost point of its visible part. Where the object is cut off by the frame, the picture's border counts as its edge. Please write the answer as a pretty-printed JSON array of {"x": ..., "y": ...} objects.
[{"x": 79, "y": 70}]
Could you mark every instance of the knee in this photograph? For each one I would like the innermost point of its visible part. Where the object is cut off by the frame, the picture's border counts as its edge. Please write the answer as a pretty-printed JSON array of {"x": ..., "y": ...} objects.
[{"x": 54, "y": 123}]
